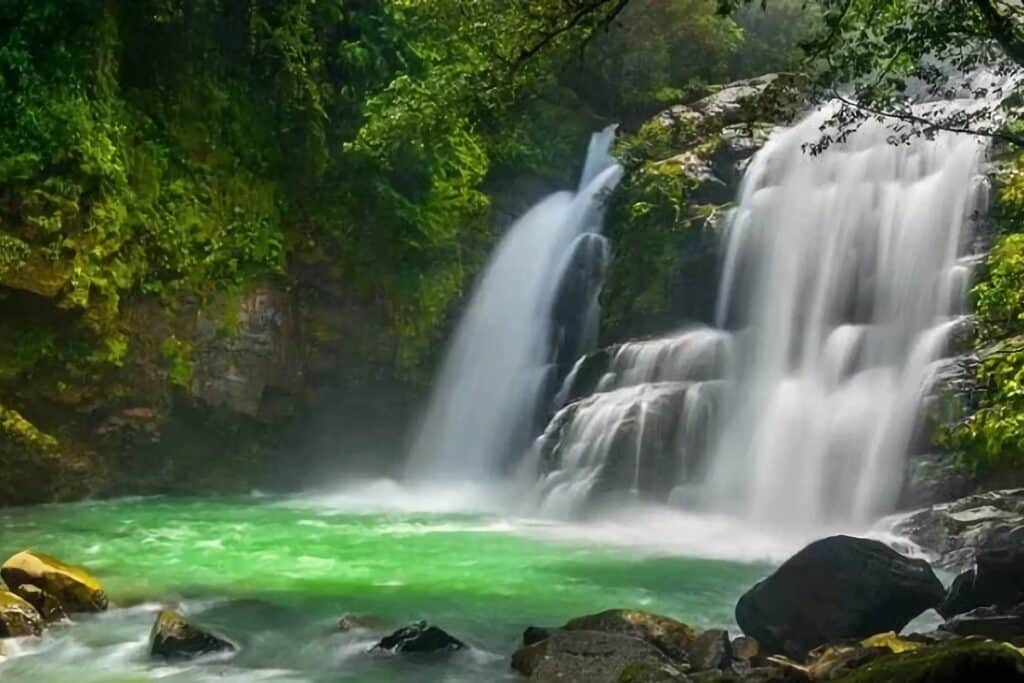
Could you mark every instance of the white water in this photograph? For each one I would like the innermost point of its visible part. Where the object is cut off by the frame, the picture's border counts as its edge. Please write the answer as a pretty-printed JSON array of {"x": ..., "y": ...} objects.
[
  {"x": 842, "y": 277},
  {"x": 495, "y": 373}
]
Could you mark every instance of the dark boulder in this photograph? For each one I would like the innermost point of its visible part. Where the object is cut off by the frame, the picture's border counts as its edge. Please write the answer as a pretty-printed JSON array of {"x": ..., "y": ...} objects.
[
  {"x": 674, "y": 639},
  {"x": 998, "y": 576},
  {"x": 175, "y": 638},
  {"x": 421, "y": 638},
  {"x": 834, "y": 589},
  {"x": 48, "y": 606},
  {"x": 594, "y": 657}
]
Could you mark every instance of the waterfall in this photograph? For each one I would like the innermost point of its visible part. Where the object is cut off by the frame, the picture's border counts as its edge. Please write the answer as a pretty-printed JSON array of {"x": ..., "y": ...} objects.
[
  {"x": 843, "y": 274},
  {"x": 533, "y": 308}
]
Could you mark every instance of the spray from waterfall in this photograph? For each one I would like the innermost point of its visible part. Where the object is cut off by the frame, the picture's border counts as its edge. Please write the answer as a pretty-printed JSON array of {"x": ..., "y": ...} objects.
[{"x": 534, "y": 308}]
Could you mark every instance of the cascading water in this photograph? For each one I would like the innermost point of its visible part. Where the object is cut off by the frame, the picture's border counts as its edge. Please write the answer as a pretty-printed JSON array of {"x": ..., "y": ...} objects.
[
  {"x": 534, "y": 305},
  {"x": 842, "y": 278}
]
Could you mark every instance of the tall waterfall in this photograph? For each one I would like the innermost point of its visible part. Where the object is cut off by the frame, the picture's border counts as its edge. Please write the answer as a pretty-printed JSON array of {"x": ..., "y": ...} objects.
[
  {"x": 534, "y": 306},
  {"x": 843, "y": 275}
]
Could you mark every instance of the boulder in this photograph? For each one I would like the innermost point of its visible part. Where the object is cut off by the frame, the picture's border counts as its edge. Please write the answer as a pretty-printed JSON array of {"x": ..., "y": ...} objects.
[
  {"x": 834, "y": 589},
  {"x": 175, "y": 638},
  {"x": 48, "y": 606},
  {"x": 998, "y": 576},
  {"x": 421, "y": 638},
  {"x": 674, "y": 639},
  {"x": 73, "y": 587},
  {"x": 643, "y": 672},
  {"x": 592, "y": 656},
  {"x": 990, "y": 622},
  {"x": 955, "y": 661},
  {"x": 17, "y": 617},
  {"x": 710, "y": 650}
]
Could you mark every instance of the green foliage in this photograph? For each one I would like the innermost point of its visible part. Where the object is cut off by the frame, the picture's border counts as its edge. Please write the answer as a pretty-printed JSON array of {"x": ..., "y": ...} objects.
[
  {"x": 648, "y": 219},
  {"x": 178, "y": 355},
  {"x": 992, "y": 440}
]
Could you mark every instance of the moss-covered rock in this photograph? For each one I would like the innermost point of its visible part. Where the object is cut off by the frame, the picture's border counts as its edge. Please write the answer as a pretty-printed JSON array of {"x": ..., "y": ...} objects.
[
  {"x": 74, "y": 588},
  {"x": 956, "y": 661},
  {"x": 674, "y": 638},
  {"x": 18, "y": 618},
  {"x": 592, "y": 656}
]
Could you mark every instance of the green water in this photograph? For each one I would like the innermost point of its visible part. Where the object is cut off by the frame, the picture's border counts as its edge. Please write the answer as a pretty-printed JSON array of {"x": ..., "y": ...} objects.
[{"x": 276, "y": 574}]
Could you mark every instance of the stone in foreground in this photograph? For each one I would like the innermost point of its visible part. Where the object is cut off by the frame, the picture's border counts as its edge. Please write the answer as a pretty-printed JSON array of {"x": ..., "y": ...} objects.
[
  {"x": 835, "y": 589},
  {"x": 17, "y": 617},
  {"x": 595, "y": 657},
  {"x": 420, "y": 638},
  {"x": 955, "y": 661},
  {"x": 73, "y": 587},
  {"x": 175, "y": 638},
  {"x": 674, "y": 639}
]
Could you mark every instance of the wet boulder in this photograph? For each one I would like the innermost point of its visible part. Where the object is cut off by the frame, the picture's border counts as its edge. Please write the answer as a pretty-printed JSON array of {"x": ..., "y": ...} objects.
[
  {"x": 175, "y": 638},
  {"x": 421, "y": 638},
  {"x": 73, "y": 587},
  {"x": 834, "y": 589},
  {"x": 48, "y": 606},
  {"x": 592, "y": 656},
  {"x": 17, "y": 617},
  {"x": 997, "y": 624}
]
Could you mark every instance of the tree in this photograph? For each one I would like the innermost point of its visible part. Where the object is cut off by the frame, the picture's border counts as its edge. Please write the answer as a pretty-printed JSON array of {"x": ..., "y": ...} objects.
[{"x": 884, "y": 58}]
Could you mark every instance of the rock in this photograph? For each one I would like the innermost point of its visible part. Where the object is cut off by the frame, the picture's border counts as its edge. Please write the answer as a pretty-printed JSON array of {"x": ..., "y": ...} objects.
[
  {"x": 710, "y": 650},
  {"x": 74, "y": 588},
  {"x": 954, "y": 531},
  {"x": 1005, "y": 626},
  {"x": 745, "y": 648},
  {"x": 174, "y": 637},
  {"x": 832, "y": 662},
  {"x": 998, "y": 576},
  {"x": 834, "y": 589},
  {"x": 934, "y": 478},
  {"x": 674, "y": 639},
  {"x": 362, "y": 622},
  {"x": 420, "y": 638},
  {"x": 47, "y": 605},
  {"x": 642, "y": 672},
  {"x": 535, "y": 634},
  {"x": 592, "y": 656},
  {"x": 17, "y": 617},
  {"x": 955, "y": 661}
]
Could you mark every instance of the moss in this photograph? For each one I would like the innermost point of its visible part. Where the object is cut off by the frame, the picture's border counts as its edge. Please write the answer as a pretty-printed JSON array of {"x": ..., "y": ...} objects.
[
  {"x": 178, "y": 355},
  {"x": 14, "y": 426},
  {"x": 952, "y": 662}
]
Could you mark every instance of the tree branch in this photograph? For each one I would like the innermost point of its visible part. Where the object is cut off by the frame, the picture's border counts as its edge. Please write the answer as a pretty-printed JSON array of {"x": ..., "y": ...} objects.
[
  {"x": 930, "y": 124},
  {"x": 574, "y": 21}
]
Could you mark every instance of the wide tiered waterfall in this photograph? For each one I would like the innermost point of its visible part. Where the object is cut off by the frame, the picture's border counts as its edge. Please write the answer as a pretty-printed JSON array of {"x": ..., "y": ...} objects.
[
  {"x": 534, "y": 309},
  {"x": 843, "y": 274}
]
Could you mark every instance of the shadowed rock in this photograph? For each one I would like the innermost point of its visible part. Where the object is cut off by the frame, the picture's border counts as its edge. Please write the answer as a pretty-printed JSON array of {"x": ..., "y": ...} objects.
[
  {"x": 175, "y": 638},
  {"x": 420, "y": 637}
]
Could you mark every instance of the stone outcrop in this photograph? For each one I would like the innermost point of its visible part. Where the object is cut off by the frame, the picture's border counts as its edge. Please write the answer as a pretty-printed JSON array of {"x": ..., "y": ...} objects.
[
  {"x": 953, "y": 532},
  {"x": 420, "y": 638},
  {"x": 834, "y": 589},
  {"x": 175, "y": 638},
  {"x": 593, "y": 656},
  {"x": 74, "y": 588}
]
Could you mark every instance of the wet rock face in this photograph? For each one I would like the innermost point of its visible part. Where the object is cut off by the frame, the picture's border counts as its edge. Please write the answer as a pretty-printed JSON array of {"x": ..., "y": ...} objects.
[
  {"x": 175, "y": 638},
  {"x": 255, "y": 361},
  {"x": 837, "y": 588},
  {"x": 954, "y": 531},
  {"x": 75, "y": 589},
  {"x": 17, "y": 617},
  {"x": 421, "y": 638}
]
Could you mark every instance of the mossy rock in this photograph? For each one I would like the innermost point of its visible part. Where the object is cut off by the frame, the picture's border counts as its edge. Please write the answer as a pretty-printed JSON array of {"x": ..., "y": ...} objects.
[
  {"x": 644, "y": 672},
  {"x": 674, "y": 638},
  {"x": 954, "y": 661},
  {"x": 74, "y": 588},
  {"x": 18, "y": 618}
]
